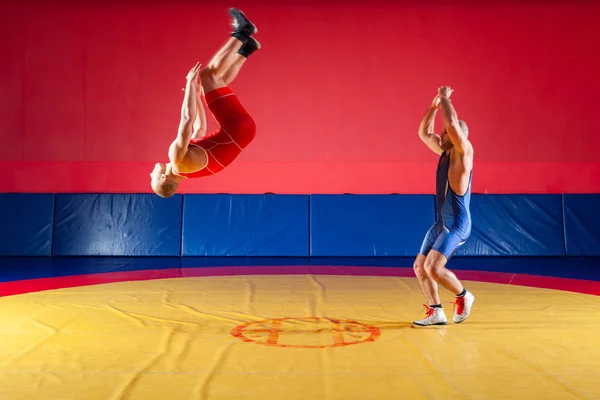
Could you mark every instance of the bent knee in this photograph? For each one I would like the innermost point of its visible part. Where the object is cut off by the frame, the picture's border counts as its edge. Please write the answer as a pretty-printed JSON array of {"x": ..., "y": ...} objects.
[
  {"x": 433, "y": 267},
  {"x": 419, "y": 270},
  {"x": 419, "y": 267}
]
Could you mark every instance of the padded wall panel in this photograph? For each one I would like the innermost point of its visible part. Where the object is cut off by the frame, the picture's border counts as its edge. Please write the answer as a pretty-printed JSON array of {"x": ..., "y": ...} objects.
[
  {"x": 245, "y": 225},
  {"x": 369, "y": 225},
  {"x": 515, "y": 225},
  {"x": 582, "y": 224},
  {"x": 26, "y": 224},
  {"x": 117, "y": 225}
]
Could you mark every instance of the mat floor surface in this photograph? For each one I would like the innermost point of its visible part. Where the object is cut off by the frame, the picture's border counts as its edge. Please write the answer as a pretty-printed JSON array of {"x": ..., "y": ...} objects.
[{"x": 243, "y": 328}]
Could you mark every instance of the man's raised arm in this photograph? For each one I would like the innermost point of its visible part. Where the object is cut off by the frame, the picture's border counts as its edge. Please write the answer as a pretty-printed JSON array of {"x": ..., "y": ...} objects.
[
  {"x": 426, "y": 132},
  {"x": 457, "y": 136},
  {"x": 189, "y": 112}
]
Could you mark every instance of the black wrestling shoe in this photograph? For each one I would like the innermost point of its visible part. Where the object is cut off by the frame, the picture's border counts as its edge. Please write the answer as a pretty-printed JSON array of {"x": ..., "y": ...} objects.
[
  {"x": 249, "y": 47},
  {"x": 243, "y": 28}
]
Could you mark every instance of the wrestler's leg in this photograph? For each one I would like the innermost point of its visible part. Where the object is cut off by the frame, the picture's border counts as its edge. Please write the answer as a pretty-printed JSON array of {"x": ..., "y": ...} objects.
[
  {"x": 428, "y": 286},
  {"x": 230, "y": 58},
  {"x": 225, "y": 66},
  {"x": 233, "y": 70},
  {"x": 225, "y": 57},
  {"x": 434, "y": 312},
  {"x": 235, "y": 122},
  {"x": 435, "y": 266}
]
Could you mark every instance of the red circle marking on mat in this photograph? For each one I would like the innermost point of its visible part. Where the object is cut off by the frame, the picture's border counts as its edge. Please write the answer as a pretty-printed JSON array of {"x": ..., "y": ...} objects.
[{"x": 268, "y": 332}]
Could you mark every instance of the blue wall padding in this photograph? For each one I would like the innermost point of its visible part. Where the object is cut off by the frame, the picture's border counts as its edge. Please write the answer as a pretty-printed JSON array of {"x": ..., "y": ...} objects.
[
  {"x": 369, "y": 225},
  {"x": 245, "y": 225},
  {"x": 117, "y": 224},
  {"x": 582, "y": 224},
  {"x": 515, "y": 225},
  {"x": 26, "y": 221},
  {"x": 288, "y": 225}
]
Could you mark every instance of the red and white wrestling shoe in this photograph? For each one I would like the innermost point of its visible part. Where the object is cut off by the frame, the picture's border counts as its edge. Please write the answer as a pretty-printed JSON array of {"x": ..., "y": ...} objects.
[
  {"x": 462, "y": 307},
  {"x": 433, "y": 316}
]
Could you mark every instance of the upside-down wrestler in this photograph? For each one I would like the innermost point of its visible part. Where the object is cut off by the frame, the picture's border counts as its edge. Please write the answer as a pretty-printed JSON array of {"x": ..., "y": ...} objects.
[{"x": 194, "y": 154}]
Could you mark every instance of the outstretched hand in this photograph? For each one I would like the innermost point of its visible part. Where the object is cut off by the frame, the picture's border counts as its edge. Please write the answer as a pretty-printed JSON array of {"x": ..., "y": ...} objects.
[
  {"x": 445, "y": 92},
  {"x": 193, "y": 74},
  {"x": 192, "y": 78},
  {"x": 436, "y": 102}
]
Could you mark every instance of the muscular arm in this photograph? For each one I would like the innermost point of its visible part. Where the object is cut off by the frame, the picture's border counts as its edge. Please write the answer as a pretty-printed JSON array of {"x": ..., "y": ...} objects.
[
  {"x": 455, "y": 133},
  {"x": 200, "y": 123},
  {"x": 426, "y": 132},
  {"x": 189, "y": 112}
]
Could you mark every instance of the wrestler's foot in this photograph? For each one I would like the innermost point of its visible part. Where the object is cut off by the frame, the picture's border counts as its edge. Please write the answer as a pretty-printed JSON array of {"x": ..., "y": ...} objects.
[
  {"x": 462, "y": 307},
  {"x": 243, "y": 28},
  {"x": 433, "y": 316},
  {"x": 249, "y": 47}
]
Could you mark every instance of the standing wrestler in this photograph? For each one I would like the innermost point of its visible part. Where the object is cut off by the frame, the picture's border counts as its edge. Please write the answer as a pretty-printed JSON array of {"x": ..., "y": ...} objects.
[{"x": 453, "y": 225}]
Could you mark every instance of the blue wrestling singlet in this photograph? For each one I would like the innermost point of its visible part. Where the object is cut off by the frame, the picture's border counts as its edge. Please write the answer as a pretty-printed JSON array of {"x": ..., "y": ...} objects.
[{"x": 453, "y": 225}]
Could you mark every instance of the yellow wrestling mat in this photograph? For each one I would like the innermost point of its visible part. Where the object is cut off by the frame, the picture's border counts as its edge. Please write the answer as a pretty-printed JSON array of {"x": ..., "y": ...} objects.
[{"x": 295, "y": 337}]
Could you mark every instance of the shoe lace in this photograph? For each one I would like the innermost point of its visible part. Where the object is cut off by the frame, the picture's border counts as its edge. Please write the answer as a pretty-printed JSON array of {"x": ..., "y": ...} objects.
[
  {"x": 430, "y": 311},
  {"x": 460, "y": 305}
]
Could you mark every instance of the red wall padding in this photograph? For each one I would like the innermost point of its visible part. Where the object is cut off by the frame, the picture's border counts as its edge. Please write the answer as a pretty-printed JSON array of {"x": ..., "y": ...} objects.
[{"x": 90, "y": 94}]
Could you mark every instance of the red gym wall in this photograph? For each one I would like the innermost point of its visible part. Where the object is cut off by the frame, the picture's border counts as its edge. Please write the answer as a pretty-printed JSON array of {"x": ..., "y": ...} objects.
[{"x": 91, "y": 93}]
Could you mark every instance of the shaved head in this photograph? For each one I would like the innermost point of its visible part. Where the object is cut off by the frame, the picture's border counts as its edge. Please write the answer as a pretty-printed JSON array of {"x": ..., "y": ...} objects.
[{"x": 164, "y": 189}]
